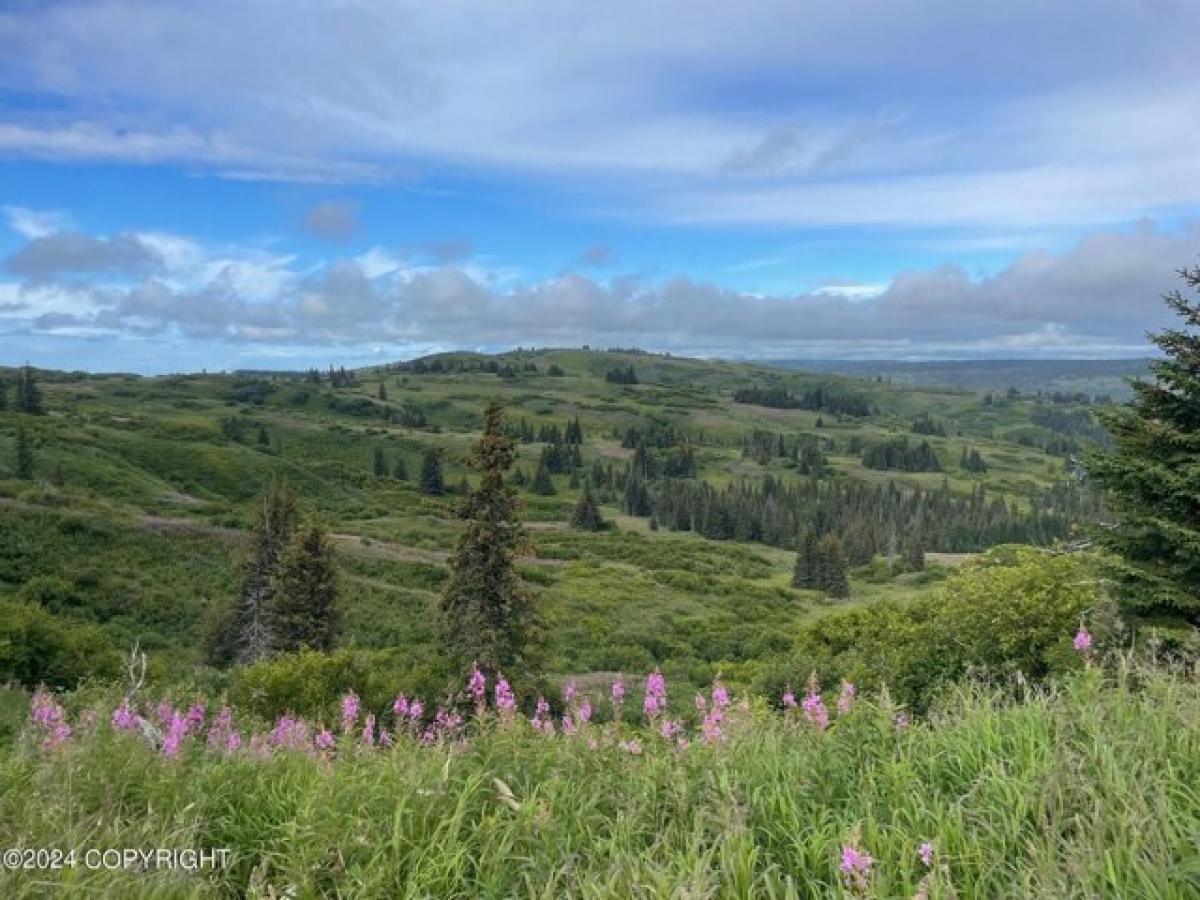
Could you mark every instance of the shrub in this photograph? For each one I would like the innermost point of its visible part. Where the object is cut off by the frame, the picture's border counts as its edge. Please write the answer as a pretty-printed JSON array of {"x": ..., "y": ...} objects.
[{"x": 39, "y": 648}]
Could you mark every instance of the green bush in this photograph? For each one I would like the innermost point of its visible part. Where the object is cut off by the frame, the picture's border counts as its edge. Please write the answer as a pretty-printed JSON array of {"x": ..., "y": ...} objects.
[
  {"x": 39, "y": 648},
  {"x": 1014, "y": 611}
]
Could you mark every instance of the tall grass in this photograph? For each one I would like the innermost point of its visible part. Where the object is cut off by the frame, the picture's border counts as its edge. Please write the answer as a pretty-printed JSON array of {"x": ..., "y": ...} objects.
[{"x": 1087, "y": 789}]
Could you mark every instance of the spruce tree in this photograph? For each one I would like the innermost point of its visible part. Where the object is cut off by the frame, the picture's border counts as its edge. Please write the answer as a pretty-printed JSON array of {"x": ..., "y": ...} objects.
[
  {"x": 400, "y": 469},
  {"x": 586, "y": 515},
  {"x": 24, "y": 455},
  {"x": 914, "y": 554},
  {"x": 3, "y": 396},
  {"x": 431, "y": 480},
  {"x": 486, "y": 610},
  {"x": 303, "y": 606},
  {"x": 832, "y": 578},
  {"x": 804, "y": 575},
  {"x": 382, "y": 392},
  {"x": 542, "y": 482},
  {"x": 29, "y": 395},
  {"x": 252, "y": 613},
  {"x": 381, "y": 466},
  {"x": 1150, "y": 475}
]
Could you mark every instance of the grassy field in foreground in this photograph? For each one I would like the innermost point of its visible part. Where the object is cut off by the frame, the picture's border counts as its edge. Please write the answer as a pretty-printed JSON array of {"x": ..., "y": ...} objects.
[{"x": 1088, "y": 789}]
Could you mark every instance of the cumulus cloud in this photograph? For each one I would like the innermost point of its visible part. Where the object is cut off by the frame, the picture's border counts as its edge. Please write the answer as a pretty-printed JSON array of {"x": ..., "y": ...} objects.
[
  {"x": 1100, "y": 296},
  {"x": 64, "y": 252},
  {"x": 332, "y": 220}
]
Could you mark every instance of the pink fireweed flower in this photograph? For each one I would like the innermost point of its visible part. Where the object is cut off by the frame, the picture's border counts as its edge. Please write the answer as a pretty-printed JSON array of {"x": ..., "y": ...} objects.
[
  {"x": 925, "y": 851},
  {"x": 655, "y": 698},
  {"x": 349, "y": 711},
  {"x": 232, "y": 742},
  {"x": 506, "y": 703},
  {"x": 385, "y": 739},
  {"x": 669, "y": 728},
  {"x": 195, "y": 717},
  {"x": 584, "y": 711},
  {"x": 368, "y": 732},
  {"x": 720, "y": 696},
  {"x": 447, "y": 722},
  {"x": 164, "y": 712},
  {"x": 50, "y": 719},
  {"x": 1083, "y": 640},
  {"x": 846, "y": 698},
  {"x": 124, "y": 718},
  {"x": 618, "y": 692},
  {"x": 174, "y": 736},
  {"x": 219, "y": 731},
  {"x": 856, "y": 868},
  {"x": 477, "y": 686},
  {"x": 324, "y": 739},
  {"x": 711, "y": 727},
  {"x": 415, "y": 710},
  {"x": 569, "y": 692},
  {"x": 568, "y": 725},
  {"x": 815, "y": 712},
  {"x": 633, "y": 747},
  {"x": 788, "y": 699}
]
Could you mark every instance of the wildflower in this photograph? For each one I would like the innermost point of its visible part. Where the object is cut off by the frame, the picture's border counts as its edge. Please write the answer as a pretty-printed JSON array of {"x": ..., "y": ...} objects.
[
  {"x": 669, "y": 728},
  {"x": 174, "y": 736},
  {"x": 49, "y": 716},
  {"x": 324, "y": 739},
  {"x": 925, "y": 851},
  {"x": 415, "y": 710},
  {"x": 368, "y": 732},
  {"x": 720, "y": 696},
  {"x": 540, "y": 714},
  {"x": 477, "y": 687},
  {"x": 569, "y": 692},
  {"x": 385, "y": 739},
  {"x": 568, "y": 725},
  {"x": 856, "y": 868},
  {"x": 633, "y": 746},
  {"x": 846, "y": 698},
  {"x": 789, "y": 699},
  {"x": 164, "y": 712},
  {"x": 400, "y": 707},
  {"x": 506, "y": 703},
  {"x": 1083, "y": 641},
  {"x": 813, "y": 707},
  {"x": 618, "y": 693},
  {"x": 902, "y": 720},
  {"x": 219, "y": 731},
  {"x": 711, "y": 726},
  {"x": 655, "y": 700},
  {"x": 195, "y": 717},
  {"x": 349, "y": 711},
  {"x": 124, "y": 718},
  {"x": 232, "y": 741},
  {"x": 445, "y": 722},
  {"x": 583, "y": 712}
]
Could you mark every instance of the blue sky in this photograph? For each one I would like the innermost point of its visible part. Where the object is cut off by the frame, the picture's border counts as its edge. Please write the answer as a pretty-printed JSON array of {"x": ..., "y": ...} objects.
[{"x": 261, "y": 183}]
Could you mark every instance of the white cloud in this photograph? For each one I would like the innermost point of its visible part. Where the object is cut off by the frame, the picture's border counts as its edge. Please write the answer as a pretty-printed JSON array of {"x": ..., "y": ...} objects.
[{"x": 36, "y": 223}]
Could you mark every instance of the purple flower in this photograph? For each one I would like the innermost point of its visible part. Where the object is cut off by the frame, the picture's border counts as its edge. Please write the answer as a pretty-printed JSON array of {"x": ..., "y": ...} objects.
[
  {"x": 815, "y": 712},
  {"x": 415, "y": 710},
  {"x": 400, "y": 707},
  {"x": 349, "y": 711},
  {"x": 174, "y": 736},
  {"x": 925, "y": 851},
  {"x": 505, "y": 701},
  {"x": 221, "y": 730},
  {"x": 1083, "y": 640},
  {"x": 324, "y": 739},
  {"x": 477, "y": 686},
  {"x": 655, "y": 698},
  {"x": 569, "y": 692},
  {"x": 195, "y": 717},
  {"x": 618, "y": 692},
  {"x": 50, "y": 718},
  {"x": 368, "y": 732},
  {"x": 584, "y": 712},
  {"x": 720, "y": 696},
  {"x": 789, "y": 699},
  {"x": 124, "y": 718}
]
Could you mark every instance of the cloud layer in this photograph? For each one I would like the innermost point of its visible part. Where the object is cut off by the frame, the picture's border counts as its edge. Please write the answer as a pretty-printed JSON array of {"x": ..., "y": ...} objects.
[{"x": 1099, "y": 298}]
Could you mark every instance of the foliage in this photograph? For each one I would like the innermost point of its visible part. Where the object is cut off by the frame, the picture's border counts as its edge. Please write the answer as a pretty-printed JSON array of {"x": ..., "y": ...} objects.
[
  {"x": 303, "y": 609},
  {"x": 1150, "y": 477},
  {"x": 39, "y": 648}
]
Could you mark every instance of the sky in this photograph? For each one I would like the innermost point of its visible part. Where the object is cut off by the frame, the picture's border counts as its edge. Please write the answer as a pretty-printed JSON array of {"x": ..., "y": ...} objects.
[{"x": 288, "y": 183}]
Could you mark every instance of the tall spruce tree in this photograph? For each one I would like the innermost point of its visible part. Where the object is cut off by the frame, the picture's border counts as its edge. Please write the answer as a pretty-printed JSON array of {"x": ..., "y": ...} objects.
[
  {"x": 380, "y": 465},
  {"x": 1150, "y": 475},
  {"x": 586, "y": 515},
  {"x": 486, "y": 610},
  {"x": 542, "y": 482},
  {"x": 29, "y": 395},
  {"x": 23, "y": 462},
  {"x": 252, "y": 612},
  {"x": 303, "y": 606},
  {"x": 400, "y": 469},
  {"x": 832, "y": 578},
  {"x": 431, "y": 480},
  {"x": 804, "y": 575}
]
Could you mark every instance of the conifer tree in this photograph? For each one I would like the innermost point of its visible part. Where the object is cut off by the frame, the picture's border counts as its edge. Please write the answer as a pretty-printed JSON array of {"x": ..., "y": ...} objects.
[
  {"x": 3, "y": 396},
  {"x": 431, "y": 480},
  {"x": 400, "y": 469},
  {"x": 542, "y": 482},
  {"x": 24, "y": 455},
  {"x": 264, "y": 439},
  {"x": 303, "y": 605},
  {"x": 382, "y": 391},
  {"x": 914, "y": 554},
  {"x": 1150, "y": 475},
  {"x": 381, "y": 466},
  {"x": 486, "y": 610},
  {"x": 804, "y": 575},
  {"x": 29, "y": 395},
  {"x": 252, "y": 613},
  {"x": 586, "y": 515},
  {"x": 832, "y": 576}
]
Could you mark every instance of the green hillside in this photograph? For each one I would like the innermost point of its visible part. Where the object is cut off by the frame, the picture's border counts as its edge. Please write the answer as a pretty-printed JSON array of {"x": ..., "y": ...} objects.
[{"x": 143, "y": 490}]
